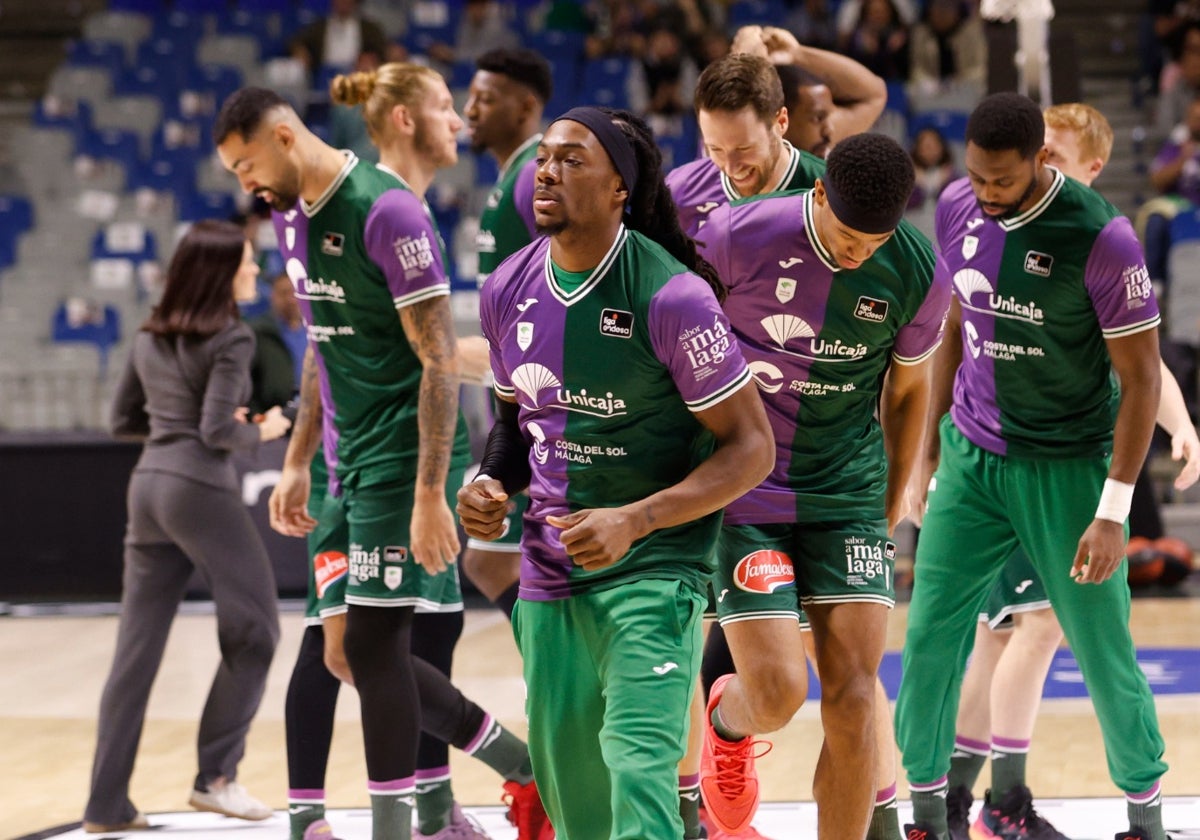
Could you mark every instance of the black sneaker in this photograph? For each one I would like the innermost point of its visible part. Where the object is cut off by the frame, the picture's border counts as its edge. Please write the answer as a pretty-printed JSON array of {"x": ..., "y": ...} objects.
[
  {"x": 958, "y": 812},
  {"x": 1014, "y": 818},
  {"x": 1135, "y": 833},
  {"x": 919, "y": 831}
]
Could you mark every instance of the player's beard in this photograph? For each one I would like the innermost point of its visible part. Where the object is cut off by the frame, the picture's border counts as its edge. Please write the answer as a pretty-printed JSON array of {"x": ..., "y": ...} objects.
[
  {"x": 1014, "y": 209},
  {"x": 552, "y": 229},
  {"x": 284, "y": 196},
  {"x": 425, "y": 148}
]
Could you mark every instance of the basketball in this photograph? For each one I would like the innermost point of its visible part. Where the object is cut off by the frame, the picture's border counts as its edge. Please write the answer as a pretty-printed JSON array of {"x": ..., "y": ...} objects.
[
  {"x": 1145, "y": 562},
  {"x": 1177, "y": 560}
]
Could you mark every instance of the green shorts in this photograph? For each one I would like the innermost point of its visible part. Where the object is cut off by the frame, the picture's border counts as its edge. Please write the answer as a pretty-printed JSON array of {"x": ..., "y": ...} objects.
[
  {"x": 1018, "y": 590},
  {"x": 774, "y": 570},
  {"x": 329, "y": 565},
  {"x": 381, "y": 574}
]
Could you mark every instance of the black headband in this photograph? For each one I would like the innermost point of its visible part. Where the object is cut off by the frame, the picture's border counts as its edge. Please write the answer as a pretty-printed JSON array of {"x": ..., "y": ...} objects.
[
  {"x": 612, "y": 138},
  {"x": 873, "y": 220}
]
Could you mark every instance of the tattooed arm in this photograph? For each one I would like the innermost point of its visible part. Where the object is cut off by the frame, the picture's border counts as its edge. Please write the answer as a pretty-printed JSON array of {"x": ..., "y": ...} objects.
[
  {"x": 288, "y": 504},
  {"x": 429, "y": 328}
]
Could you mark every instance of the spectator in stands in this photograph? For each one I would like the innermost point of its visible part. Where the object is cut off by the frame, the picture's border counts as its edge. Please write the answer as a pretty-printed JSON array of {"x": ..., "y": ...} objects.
[
  {"x": 188, "y": 376},
  {"x": 879, "y": 40},
  {"x": 1181, "y": 79},
  {"x": 481, "y": 27},
  {"x": 664, "y": 79},
  {"x": 828, "y": 96},
  {"x": 948, "y": 49},
  {"x": 814, "y": 24},
  {"x": 280, "y": 341},
  {"x": 849, "y": 11},
  {"x": 1176, "y": 168},
  {"x": 934, "y": 163},
  {"x": 339, "y": 39}
]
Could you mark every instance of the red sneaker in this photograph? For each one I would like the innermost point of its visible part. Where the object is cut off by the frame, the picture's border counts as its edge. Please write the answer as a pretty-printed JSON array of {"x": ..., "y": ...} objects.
[
  {"x": 714, "y": 833},
  {"x": 728, "y": 780},
  {"x": 525, "y": 811}
]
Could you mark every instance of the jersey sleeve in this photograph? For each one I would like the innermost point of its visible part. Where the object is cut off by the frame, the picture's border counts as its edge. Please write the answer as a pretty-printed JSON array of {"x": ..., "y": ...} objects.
[
  {"x": 1119, "y": 283},
  {"x": 400, "y": 239},
  {"x": 916, "y": 340},
  {"x": 713, "y": 243},
  {"x": 523, "y": 196},
  {"x": 692, "y": 337},
  {"x": 489, "y": 323}
]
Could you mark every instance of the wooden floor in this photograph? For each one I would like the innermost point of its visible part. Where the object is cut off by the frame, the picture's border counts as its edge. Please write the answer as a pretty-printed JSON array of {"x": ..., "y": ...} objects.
[{"x": 55, "y": 667}]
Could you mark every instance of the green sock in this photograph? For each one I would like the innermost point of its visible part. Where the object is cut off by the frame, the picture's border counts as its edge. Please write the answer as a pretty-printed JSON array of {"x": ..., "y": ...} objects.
[
  {"x": 1008, "y": 765},
  {"x": 689, "y": 807},
  {"x": 885, "y": 818},
  {"x": 391, "y": 812},
  {"x": 503, "y": 751},
  {"x": 1147, "y": 815},
  {"x": 966, "y": 762},
  {"x": 929, "y": 808},
  {"x": 304, "y": 811},
  {"x": 435, "y": 799},
  {"x": 723, "y": 731}
]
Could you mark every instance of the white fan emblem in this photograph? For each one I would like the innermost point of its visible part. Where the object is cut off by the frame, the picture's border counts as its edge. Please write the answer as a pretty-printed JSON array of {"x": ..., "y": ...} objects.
[
  {"x": 968, "y": 281},
  {"x": 783, "y": 328},
  {"x": 531, "y": 378}
]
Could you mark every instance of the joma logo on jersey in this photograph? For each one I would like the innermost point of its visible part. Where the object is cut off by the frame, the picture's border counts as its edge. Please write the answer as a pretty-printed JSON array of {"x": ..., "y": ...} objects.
[
  {"x": 1038, "y": 263},
  {"x": 763, "y": 572},
  {"x": 616, "y": 322},
  {"x": 707, "y": 346},
  {"x": 871, "y": 309},
  {"x": 333, "y": 244},
  {"x": 1137, "y": 286},
  {"x": 414, "y": 252}
]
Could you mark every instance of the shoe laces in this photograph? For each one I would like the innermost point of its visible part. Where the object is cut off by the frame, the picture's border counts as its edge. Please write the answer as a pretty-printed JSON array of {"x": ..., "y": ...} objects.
[{"x": 731, "y": 758}]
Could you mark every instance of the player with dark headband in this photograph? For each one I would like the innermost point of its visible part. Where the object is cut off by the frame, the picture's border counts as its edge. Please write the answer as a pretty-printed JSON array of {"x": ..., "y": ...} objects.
[{"x": 627, "y": 463}]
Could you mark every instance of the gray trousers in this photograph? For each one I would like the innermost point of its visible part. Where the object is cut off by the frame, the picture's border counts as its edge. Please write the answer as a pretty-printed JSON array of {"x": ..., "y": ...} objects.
[{"x": 175, "y": 525}]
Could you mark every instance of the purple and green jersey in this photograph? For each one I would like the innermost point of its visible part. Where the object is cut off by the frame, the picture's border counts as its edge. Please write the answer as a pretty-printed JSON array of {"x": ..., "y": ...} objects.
[
  {"x": 365, "y": 249},
  {"x": 699, "y": 187},
  {"x": 819, "y": 339},
  {"x": 506, "y": 223},
  {"x": 1040, "y": 294},
  {"x": 607, "y": 377}
]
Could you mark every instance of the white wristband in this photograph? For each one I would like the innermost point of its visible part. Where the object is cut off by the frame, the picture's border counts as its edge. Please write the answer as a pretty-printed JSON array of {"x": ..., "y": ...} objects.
[{"x": 1115, "y": 501}]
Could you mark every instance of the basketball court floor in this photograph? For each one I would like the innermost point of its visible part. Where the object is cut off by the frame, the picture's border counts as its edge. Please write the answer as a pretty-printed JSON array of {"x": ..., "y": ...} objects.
[{"x": 56, "y": 664}]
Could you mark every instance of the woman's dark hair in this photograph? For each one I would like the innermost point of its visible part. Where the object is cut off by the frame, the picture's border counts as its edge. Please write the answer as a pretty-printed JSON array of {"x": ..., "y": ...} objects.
[
  {"x": 652, "y": 210},
  {"x": 198, "y": 298},
  {"x": 944, "y": 159}
]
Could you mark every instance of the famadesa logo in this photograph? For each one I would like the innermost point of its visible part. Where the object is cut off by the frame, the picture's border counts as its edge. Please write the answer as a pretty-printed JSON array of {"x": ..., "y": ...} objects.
[
  {"x": 764, "y": 571},
  {"x": 328, "y": 568}
]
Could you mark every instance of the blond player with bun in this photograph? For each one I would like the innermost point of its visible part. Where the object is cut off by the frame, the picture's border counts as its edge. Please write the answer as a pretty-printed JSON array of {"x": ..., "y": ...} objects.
[{"x": 365, "y": 256}]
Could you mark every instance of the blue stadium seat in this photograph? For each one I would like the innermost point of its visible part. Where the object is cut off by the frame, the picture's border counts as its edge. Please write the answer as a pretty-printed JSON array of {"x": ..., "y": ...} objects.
[
  {"x": 173, "y": 174},
  {"x": 262, "y": 25},
  {"x": 266, "y": 7},
  {"x": 124, "y": 241},
  {"x": 197, "y": 205},
  {"x": 897, "y": 97},
  {"x": 115, "y": 144},
  {"x": 605, "y": 81},
  {"x": 53, "y": 112},
  {"x": 146, "y": 79},
  {"x": 762, "y": 12},
  {"x": 951, "y": 124},
  {"x": 90, "y": 323},
  {"x": 461, "y": 74},
  {"x": 103, "y": 54},
  {"x": 16, "y": 215},
  {"x": 146, "y": 7}
]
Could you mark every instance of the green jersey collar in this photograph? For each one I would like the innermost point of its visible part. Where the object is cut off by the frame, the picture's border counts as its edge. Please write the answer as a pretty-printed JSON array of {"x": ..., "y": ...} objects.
[
  {"x": 568, "y": 298},
  {"x": 810, "y": 228},
  {"x": 793, "y": 163},
  {"x": 313, "y": 209},
  {"x": 1036, "y": 210},
  {"x": 533, "y": 140}
]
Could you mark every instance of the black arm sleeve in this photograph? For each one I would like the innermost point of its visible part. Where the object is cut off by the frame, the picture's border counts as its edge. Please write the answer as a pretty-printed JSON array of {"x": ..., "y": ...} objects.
[{"x": 506, "y": 457}]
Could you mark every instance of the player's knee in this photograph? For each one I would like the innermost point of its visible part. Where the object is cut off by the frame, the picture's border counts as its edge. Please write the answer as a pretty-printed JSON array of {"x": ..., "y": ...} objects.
[
  {"x": 1039, "y": 629},
  {"x": 336, "y": 664},
  {"x": 848, "y": 701},
  {"x": 776, "y": 696}
]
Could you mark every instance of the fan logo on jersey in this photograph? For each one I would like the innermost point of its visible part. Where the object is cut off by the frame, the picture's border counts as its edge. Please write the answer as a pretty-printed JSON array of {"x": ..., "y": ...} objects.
[
  {"x": 540, "y": 453},
  {"x": 865, "y": 562},
  {"x": 764, "y": 571},
  {"x": 333, "y": 244},
  {"x": 1138, "y": 288},
  {"x": 616, "y": 322},
  {"x": 531, "y": 379},
  {"x": 785, "y": 289},
  {"x": 415, "y": 254},
  {"x": 1038, "y": 263},
  {"x": 328, "y": 568},
  {"x": 871, "y": 309}
]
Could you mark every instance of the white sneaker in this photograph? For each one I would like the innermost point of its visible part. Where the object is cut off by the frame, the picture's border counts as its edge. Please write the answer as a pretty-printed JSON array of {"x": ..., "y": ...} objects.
[{"x": 230, "y": 799}]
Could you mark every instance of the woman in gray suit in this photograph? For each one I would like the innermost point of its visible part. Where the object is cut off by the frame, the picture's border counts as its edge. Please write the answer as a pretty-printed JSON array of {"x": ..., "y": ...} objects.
[{"x": 182, "y": 392}]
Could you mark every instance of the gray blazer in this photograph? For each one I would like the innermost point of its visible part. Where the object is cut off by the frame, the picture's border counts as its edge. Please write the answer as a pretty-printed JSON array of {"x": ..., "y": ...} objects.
[{"x": 179, "y": 396}]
